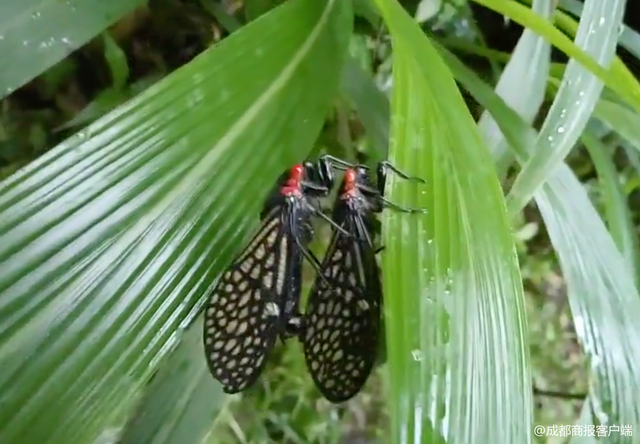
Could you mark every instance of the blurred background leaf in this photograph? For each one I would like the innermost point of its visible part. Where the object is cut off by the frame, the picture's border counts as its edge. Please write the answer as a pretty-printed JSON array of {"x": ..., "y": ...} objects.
[{"x": 39, "y": 33}]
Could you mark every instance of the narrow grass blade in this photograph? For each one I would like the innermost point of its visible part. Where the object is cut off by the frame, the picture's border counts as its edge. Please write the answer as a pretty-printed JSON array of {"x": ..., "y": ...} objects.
[
  {"x": 456, "y": 347},
  {"x": 111, "y": 240},
  {"x": 620, "y": 119},
  {"x": 617, "y": 77},
  {"x": 522, "y": 84},
  {"x": 629, "y": 39},
  {"x": 619, "y": 217},
  {"x": 575, "y": 100}
]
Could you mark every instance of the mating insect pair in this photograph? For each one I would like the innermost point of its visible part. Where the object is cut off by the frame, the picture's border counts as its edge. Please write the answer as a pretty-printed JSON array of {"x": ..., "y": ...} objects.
[{"x": 257, "y": 298}]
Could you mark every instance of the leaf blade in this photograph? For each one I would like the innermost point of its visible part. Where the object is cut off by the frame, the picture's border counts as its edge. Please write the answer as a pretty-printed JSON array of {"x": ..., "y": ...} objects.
[
  {"x": 575, "y": 100},
  {"x": 453, "y": 282},
  {"x": 36, "y": 34},
  {"x": 124, "y": 226},
  {"x": 602, "y": 295}
]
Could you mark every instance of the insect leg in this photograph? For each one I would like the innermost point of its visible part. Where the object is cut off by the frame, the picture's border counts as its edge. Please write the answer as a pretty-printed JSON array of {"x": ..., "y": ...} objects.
[
  {"x": 295, "y": 327},
  {"x": 335, "y": 225},
  {"x": 389, "y": 204},
  {"x": 313, "y": 187},
  {"x": 388, "y": 165},
  {"x": 313, "y": 260},
  {"x": 338, "y": 163},
  {"x": 399, "y": 208}
]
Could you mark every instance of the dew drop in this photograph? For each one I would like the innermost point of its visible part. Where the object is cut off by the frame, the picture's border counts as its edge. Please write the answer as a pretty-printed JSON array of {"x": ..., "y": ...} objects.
[
  {"x": 560, "y": 129},
  {"x": 417, "y": 355}
]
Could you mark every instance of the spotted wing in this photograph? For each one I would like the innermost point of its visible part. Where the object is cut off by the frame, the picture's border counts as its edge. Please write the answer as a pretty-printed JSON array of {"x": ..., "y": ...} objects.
[
  {"x": 242, "y": 317},
  {"x": 343, "y": 314}
]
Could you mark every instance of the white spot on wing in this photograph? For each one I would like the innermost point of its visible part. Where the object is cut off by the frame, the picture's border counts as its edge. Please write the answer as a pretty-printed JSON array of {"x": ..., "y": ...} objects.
[
  {"x": 272, "y": 309},
  {"x": 282, "y": 265}
]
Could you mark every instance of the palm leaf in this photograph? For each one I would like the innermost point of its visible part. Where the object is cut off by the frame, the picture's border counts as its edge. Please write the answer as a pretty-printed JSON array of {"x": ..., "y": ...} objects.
[{"x": 112, "y": 238}]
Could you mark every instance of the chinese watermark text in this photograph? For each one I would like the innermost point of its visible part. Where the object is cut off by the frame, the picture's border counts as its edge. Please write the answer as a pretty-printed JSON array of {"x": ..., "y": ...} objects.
[{"x": 583, "y": 430}]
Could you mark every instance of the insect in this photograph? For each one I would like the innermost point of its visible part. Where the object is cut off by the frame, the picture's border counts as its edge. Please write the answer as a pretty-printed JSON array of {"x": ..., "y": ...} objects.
[
  {"x": 342, "y": 318},
  {"x": 257, "y": 298}
]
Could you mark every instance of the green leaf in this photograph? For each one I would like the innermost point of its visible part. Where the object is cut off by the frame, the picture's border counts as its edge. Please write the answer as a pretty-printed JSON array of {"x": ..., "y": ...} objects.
[
  {"x": 454, "y": 308},
  {"x": 370, "y": 103},
  {"x": 367, "y": 10},
  {"x": 628, "y": 38},
  {"x": 619, "y": 217},
  {"x": 626, "y": 80},
  {"x": 526, "y": 73},
  {"x": 117, "y": 61},
  {"x": 36, "y": 34},
  {"x": 255, "y": 8},
  {"x": 603, "y": 298},
  {"x": 616, "y": 77},
  {"x": 111, "y": 239},
  {"x": 575, "y": 100},
  {"x": 621, "y": 119},
  {"x": 181, "y": 402},
  {"x": 218, "y": 11},
  {"x": 104, "y": 102}
]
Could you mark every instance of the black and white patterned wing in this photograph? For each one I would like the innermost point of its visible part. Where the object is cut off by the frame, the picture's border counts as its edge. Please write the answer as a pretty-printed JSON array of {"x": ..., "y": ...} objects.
[
  {"x": 343, "y": 314},
  {"x": 242, "y": 316}
]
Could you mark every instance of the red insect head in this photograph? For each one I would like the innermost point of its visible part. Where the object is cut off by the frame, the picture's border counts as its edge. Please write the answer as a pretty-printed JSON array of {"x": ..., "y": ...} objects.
[
  {"x": 349, "y": 184},
  {"x": 294, "y": 182}
]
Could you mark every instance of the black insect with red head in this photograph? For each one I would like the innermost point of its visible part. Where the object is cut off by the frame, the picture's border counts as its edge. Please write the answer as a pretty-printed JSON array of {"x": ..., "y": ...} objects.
[
  {"x": 257, "y": 297},
  {"x": 341, "y": 331}
]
